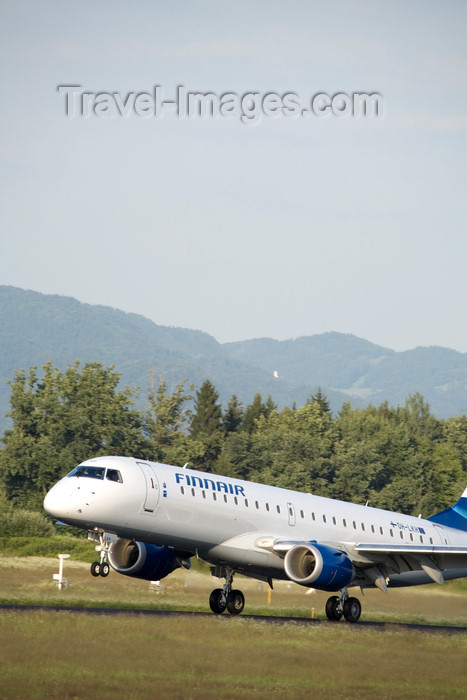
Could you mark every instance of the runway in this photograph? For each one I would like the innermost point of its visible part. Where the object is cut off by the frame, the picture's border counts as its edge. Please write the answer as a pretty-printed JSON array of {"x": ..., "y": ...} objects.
[{"x": 272, "y": 620}]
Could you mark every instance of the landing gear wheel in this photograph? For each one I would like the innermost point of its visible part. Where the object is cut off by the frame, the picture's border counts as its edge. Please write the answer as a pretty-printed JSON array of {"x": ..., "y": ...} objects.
[
  {"x": 215, "y": 602},
  {"x": 235, "y": 602},
  {"x": 105, "y": 568},
  {"x": 352, "y": 609},
  {"x": 333, "y": 609},
  {"x": 96, "y": 568}
]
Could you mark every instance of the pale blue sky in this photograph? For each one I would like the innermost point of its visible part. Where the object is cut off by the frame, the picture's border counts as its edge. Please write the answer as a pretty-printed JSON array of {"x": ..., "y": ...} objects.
[{"x": 290, "y": 227}]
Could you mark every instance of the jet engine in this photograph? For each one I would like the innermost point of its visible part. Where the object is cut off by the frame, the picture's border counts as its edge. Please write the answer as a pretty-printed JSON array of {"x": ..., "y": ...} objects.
[
  {"x": 318, "y": 566},
  {"x": 142, "y": 560}
]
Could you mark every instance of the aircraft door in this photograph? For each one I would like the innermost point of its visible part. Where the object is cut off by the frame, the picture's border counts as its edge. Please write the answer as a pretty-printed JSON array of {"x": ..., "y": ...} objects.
[
  {"x": 442, "y": 533},
  {"x": 152, "y": 487},
  {"x": 291, "y": 513}
]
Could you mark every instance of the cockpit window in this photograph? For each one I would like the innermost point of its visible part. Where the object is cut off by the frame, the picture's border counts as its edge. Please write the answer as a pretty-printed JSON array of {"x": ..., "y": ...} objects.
[
  {"x": 90, "y": 472},
  {"x": 114, "y": 475},
  {"x": 97, "y": 473}
]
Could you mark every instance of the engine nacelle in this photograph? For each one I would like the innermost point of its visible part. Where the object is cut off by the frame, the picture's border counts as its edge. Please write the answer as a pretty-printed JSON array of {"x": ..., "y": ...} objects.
[
  {"x": 141, "y": 560},
  {"x": 318, "y": 566}
]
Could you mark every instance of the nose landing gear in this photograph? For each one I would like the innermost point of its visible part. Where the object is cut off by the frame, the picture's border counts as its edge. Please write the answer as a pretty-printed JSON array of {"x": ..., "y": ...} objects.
[
  {"x": 225, "y": 598},
  {"x": 101, "y": 568}
]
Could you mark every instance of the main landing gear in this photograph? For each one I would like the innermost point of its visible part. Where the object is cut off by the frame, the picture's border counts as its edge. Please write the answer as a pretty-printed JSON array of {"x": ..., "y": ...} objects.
[
  {"x": 225, "y": 598},
  {"x": 350, "y": 608}
]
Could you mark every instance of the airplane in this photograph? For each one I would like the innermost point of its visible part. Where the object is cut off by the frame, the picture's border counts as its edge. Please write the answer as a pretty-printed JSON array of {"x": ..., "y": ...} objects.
[{"x": 150, "y": 519}]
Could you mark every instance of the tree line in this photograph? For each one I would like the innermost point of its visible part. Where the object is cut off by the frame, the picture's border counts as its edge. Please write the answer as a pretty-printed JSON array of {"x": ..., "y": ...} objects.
[{"x": 401, "y": 458}]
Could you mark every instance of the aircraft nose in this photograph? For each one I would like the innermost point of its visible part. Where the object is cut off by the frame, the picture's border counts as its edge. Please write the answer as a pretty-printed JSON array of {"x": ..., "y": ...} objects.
[{"x": 54, "y": 502}]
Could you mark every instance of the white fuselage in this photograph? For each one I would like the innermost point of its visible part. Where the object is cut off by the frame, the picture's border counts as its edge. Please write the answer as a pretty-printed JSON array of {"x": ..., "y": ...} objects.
[{"x": 228, "y": 521}]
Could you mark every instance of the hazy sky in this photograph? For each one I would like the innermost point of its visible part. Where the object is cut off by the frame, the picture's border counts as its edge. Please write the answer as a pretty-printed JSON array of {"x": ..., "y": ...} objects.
[{"x": 290, "y": 226}]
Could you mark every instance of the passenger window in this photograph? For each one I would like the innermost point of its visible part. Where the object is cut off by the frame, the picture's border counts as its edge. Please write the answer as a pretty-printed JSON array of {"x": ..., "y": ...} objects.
[
  {"x": 391, "y": 532},
  {"x": 402, "y": 534},
  {"x": 236, "y": 500},
  {"x": 344, "y": 522},
  {"x": 182, "y": 490},
  {"x": 214, "y": 496},
  {"x": 267, "y": 506},
  {"x": 354, "y": 525},
  {"x": 324, "y": 518},
  {"x": 381, "y": 530},
  {"x": 246, "y": 502},
  {"x": 334, "y": 520},
  {"x": 257, "y": 504},
  {"x": 372, "y": 528},
  {"x": 363, "y": 527},
  {"x": 278, "y": 509},
  {"x": 225, "y": 497},
  {"x": 193, "y": 492},
  {"x": 313, "y": 516},
  {"x": 302, "y": 514}
]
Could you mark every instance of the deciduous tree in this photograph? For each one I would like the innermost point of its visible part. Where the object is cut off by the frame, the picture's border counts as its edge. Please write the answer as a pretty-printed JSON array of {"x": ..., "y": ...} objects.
[{"x": 60, "y": 419}]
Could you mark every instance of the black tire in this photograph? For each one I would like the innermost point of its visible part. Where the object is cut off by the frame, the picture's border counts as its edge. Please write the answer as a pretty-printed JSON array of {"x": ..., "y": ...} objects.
[
  {"x": 235, "y": 602},
  {"x": 333, "y": 612},
  {"x": 352, "y": 609},
  {"x": 96, "y": 568},
  {"x": 215, "y": 602},
  {"x": 105, "y": 569}
]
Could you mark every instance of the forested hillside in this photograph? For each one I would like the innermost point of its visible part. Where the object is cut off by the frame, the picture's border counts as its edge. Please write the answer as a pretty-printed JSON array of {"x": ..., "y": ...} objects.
[
  {"x": 363, "y": 371},
  {"x": 36, "y": 328}
]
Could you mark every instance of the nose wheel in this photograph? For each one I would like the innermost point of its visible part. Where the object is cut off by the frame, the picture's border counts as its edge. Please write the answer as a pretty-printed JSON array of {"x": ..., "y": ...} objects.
[
  {"x": 225, "y": 598},
  {"x": 100, "y": 568}
]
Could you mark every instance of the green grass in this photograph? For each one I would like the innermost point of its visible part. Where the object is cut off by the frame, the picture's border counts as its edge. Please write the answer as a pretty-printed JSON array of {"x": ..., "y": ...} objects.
[
  {"x": 80, "y": 547},
  {"x": 67, "y": 655},
  {"x": 29, "y": 580}
]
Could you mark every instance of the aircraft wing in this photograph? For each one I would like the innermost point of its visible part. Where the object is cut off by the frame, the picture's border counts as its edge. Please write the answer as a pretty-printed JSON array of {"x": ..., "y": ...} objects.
[
  {"x": 376, "y": 564},
  {"x": 403, "y": 560},
  {"x": 404, "y": 549}
]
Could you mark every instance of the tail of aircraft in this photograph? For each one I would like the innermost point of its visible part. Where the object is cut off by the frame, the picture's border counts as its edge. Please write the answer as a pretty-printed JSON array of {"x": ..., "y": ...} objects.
[{"x": 455, "y": 516}]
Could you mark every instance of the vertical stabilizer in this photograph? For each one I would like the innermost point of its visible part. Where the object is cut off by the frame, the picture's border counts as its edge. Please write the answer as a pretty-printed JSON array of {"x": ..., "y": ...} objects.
[{"x": 455, "y": 516}]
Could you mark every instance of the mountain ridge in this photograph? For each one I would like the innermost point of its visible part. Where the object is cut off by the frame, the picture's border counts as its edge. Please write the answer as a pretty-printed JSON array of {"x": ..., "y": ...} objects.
[{"x": 35, "y": 328}]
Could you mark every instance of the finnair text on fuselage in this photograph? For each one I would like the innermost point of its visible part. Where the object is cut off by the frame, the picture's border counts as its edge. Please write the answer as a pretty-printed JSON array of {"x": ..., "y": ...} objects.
[{"x": 210, "y": 484}]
